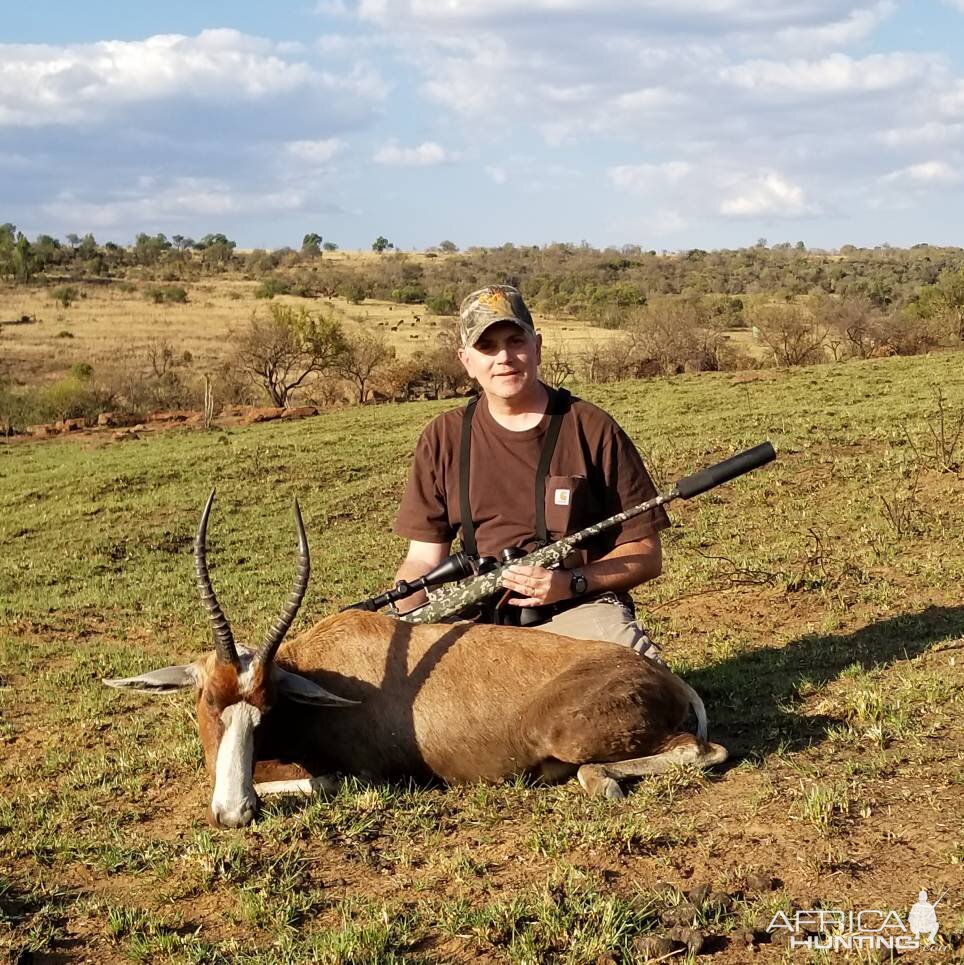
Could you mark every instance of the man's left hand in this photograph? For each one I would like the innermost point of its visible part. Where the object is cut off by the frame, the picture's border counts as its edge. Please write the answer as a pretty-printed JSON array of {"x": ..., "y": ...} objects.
[{"x": 535, "y": 585}]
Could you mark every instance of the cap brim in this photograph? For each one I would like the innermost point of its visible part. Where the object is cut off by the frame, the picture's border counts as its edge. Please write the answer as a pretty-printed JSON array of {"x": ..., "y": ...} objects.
[{"x": 496, "y": 321}]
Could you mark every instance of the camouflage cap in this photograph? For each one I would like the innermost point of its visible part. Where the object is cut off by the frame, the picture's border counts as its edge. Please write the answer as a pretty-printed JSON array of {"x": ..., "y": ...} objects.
[{"x": 489, "y": 305}]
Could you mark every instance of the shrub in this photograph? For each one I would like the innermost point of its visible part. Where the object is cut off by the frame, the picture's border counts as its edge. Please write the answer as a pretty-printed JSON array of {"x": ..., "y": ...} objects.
[
  {"x": 409, "y": 294},
  {"x": 442, "y": 303},
  {"x": 70, "y": 398},
  {"x": 271, "y": 287},
  {"x": 355, "y": 293},
  {"x": 65, "y": 294},
  {"x": 81, "y": 371},
  {"x": 165, "y": 294},
  {"x": 65, "y": 334}
]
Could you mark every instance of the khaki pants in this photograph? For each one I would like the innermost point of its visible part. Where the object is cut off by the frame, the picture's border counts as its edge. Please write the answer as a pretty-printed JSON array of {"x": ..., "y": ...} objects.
[{"x": 604, "y": 617}]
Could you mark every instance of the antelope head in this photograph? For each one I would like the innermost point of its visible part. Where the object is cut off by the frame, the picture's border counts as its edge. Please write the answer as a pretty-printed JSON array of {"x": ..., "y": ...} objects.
[{"x": 237, "y": 689}]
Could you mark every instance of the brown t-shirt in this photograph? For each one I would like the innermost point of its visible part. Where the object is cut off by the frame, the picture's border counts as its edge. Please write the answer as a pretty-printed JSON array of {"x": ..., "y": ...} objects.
[{"x": 595, "y": 473}]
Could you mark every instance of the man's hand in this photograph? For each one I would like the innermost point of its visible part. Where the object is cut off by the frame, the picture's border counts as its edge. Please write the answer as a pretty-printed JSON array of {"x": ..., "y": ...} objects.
[{"x": 536, "y": 585}]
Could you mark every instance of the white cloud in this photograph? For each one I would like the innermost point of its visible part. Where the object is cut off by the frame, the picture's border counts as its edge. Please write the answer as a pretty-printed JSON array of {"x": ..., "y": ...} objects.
[
  {"x": 921, "y": 135},
  {"x": 77, "y": 83},
  {"x": 937, "y": 173},
  {"x": 856, "y": 25},
  {"x": 768, "y": 196},
  {"x": 314, "y": 152},
  {"x": 692, "y": 15},
  {"x": 836, "y": 74},
  {"x": 181, "y": 199},
  {"x": 497, "y": 174},
  {"x": 425, "y": 154},
  {"x": 647, "y": 177}
]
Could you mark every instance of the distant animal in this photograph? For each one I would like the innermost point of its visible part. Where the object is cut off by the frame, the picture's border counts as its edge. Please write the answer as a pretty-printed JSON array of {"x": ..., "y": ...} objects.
[{"x": 367, "y": 694}]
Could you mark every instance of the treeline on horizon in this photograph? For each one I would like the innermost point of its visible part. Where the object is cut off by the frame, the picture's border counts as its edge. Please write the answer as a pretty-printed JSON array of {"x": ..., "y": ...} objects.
[
  {"x": 675, "y": 312},
  {"x": 558, "y": 278}
]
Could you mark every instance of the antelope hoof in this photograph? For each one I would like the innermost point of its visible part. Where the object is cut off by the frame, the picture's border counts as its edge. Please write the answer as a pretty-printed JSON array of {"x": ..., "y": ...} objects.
[
  {"x": 596, "y": 783},
  {"x": 713, "y": 754}
]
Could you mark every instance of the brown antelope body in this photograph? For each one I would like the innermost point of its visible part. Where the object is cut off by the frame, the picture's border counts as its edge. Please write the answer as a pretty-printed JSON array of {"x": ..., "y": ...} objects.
[{"x": 366, "y": 694}]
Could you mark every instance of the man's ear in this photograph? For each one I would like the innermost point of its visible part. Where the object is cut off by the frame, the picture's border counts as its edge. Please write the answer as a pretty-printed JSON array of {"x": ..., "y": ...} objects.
[
  {"x": 464, "y": 359},
  {"x": 305, "y": 691},
  {"x": 162, "y": 680}
]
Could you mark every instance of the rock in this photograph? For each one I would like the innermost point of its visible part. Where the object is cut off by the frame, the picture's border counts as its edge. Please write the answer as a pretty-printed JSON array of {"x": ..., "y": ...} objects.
[
  {"x": 107, "y": 419},
  {"x": 72, "y": 425},
  {"x": 719, "y": 901},
  {"x": 299, "y": 412},
  {"x": 682, "y": 914},
  {"x": 42, "y": 430},
  {"x": 743, "y": 936},
  {"x": 653, "y": 946},
  {"x": 264, "y": 414},
  {"x": 123, "y": 435},
  {"x": 699, "y": 894},
  {"x": 760, "y": 882},
  {"x": 173, "y": 415},
  {"x": 692, "y": 938}
]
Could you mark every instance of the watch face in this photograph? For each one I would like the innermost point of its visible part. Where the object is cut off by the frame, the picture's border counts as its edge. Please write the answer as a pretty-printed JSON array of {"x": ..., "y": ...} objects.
[{"x": 578, "y": 584}]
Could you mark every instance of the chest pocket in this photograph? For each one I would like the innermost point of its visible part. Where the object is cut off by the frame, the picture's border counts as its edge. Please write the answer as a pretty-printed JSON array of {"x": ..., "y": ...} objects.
[{"x": 567, "y": 505}]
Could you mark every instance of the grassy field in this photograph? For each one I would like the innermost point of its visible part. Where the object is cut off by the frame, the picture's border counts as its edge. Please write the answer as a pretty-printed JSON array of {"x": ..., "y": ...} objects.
[
  {"x": 108, "y": 326},
  {"x": 816, "y": 606}
]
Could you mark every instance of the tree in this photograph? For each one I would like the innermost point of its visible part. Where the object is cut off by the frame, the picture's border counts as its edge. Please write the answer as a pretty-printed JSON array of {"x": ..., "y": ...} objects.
[
  {"x": 791, "y": 335},
  {"x": 311, "y": 245},
  {"x": 381, "y": 243},
  {"x": 216, "y": 249},
  {"x": 330, "y": 246},
  {"x": 281, "y": 351},
  {"x": 364, "y": 358},
  {"x": 950, "y": 287},
  {"x": 448, "y": 246},
  {"x": 24, "y": 261},
  {"x": 148, "y": 249}
]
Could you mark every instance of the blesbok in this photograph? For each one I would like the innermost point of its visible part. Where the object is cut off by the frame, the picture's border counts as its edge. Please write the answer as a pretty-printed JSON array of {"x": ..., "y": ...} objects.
[{"x": 367, "y": 694}]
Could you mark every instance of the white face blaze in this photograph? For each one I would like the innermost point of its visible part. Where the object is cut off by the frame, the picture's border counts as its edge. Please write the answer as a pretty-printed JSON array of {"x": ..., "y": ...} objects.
[{"x": 235, "y": 803}]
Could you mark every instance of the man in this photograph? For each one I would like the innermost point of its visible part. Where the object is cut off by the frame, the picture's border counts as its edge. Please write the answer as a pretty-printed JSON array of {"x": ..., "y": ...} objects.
[{"x": 539, "y": 464}]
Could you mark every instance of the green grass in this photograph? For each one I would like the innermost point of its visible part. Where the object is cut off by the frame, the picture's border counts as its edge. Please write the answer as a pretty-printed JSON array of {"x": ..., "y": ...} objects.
[{"x": 824, "y": 637}]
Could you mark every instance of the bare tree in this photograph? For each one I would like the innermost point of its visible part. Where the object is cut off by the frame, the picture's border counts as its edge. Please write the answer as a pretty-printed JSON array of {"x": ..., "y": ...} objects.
[
  {"x": 281, "y": 351},
  {"x": 791, "y": 334},
  {"x": 363, "y": 360},
  {"x": 557, "y": 366}
]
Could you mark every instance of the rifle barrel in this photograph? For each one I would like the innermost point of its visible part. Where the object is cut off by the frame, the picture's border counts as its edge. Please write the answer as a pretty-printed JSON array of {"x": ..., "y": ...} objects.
[{"x": 477, "y": 588}]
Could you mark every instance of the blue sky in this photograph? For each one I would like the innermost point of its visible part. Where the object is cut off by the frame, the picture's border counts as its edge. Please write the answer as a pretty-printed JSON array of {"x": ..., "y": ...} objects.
[{"x": 706, "y": 123}]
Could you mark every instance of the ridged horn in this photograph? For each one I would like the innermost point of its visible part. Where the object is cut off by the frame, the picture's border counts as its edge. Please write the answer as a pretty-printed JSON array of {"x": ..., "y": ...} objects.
[
  {"x": 282, "y": 624},
  {"x": 223, "y": 638}
]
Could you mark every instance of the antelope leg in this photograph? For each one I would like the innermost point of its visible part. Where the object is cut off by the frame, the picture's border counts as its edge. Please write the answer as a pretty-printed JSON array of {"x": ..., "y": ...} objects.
[{"x": 308, "y": 786}]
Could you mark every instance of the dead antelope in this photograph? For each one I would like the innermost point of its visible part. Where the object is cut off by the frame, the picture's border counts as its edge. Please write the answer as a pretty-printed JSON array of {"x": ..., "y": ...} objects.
[{"x": 365, "y": 694}]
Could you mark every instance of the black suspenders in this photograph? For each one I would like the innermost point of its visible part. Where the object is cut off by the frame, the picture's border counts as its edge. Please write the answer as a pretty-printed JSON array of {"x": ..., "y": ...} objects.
[{"x": 558, "y": 404}]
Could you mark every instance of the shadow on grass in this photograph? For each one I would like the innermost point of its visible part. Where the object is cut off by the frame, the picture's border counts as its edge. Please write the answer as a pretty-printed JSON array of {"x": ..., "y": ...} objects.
[{"x": 750, "y": 697}]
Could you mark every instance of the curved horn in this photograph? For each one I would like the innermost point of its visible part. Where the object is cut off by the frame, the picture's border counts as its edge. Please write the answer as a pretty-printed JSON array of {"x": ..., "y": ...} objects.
[
  {"x": 282, "y": 624},
  {"x": 223, "y": 638}
]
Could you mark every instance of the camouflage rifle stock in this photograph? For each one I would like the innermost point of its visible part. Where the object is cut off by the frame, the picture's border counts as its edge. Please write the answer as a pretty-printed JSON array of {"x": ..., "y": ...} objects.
[{"x": 475, "y": 589}]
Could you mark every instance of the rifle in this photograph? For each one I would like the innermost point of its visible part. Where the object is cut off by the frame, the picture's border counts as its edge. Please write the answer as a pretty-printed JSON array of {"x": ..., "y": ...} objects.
[{"x": 475, "y": 589}]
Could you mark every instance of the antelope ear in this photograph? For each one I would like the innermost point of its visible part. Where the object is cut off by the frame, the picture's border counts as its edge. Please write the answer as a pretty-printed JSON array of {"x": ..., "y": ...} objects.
[
  {"x": 160, "y": 681},
  {"x": 305, "y": 691}
]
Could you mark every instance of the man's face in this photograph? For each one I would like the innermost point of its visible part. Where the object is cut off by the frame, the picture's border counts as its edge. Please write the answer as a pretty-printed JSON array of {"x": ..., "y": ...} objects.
[{"x": 504, "y": 361}]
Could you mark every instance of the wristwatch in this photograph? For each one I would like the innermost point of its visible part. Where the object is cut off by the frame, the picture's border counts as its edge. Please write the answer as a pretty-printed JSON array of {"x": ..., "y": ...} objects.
[{"x": 577, "y": 583}]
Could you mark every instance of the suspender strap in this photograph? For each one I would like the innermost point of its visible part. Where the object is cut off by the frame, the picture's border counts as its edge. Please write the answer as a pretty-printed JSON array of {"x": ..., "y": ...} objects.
[
  {"x": 558, "y": 404},
  {"x": 465, "y": 509}
]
